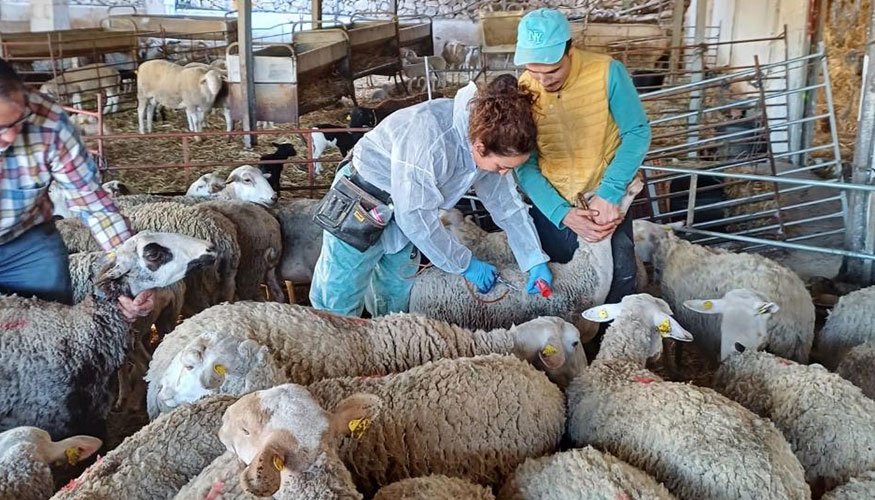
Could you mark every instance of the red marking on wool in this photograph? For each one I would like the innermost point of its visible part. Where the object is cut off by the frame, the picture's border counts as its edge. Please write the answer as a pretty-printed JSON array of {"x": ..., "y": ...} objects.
[
  {"x": 77, "y": 480},
  {"x": 644, "y": 380},
  {"x": 784, "y": 361},
  {"x": 216, "y": 490},
  {"x": 13, "y": 325}
]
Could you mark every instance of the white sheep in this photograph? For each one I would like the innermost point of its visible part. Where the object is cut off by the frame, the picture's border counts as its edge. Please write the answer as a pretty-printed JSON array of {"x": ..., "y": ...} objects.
[
  {"x": 829, "y": 422},
  {"x": 26, "y": 454},
  {"x": 850, "y": 323},
  {"x": 858, "y": 366},
  {"x": 206, "y": 186},
  {"x": 577, "y": 285},
  {"x": 247, "y": 183},
  {"x": 565, "y": 475},
  {"x": 698, "y": 443},
  {"x": 171, "y": 85},
  {"x": 434, "y": 487},
  {"x": 220, "y": 349},
  {"x": 56, "y": 375},
  {"x": 157, "y": 460},
  {"x": 91, "y": 78},
  {"x": 221, "y": 100},
  {"x": 855, "y": 489},
  {"x": 688, "y": 271},
  {"x": 473, "y": 418},
  {"x": 281, "y": 442}
]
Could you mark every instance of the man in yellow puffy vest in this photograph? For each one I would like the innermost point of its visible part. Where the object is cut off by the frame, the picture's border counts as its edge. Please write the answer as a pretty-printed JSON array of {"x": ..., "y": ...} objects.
[{"x": 592, "y": 136}]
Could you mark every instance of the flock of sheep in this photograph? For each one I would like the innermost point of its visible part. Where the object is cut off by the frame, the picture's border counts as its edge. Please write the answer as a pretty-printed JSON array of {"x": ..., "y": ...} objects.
[{"x": 463, "y": 399}]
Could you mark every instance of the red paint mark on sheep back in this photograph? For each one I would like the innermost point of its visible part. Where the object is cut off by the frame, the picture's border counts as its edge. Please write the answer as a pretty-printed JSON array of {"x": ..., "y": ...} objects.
[
  {"x": 13, "y": 325},
  {"x": 784, "y": 361},
  {"x": 216, "y": 490},
  {"x": 622, "y": 496},
  {"x": 644, "y": 380}
]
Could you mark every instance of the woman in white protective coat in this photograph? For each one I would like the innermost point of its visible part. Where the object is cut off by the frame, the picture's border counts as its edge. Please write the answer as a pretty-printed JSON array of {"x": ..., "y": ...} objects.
[{"x": 384, "y": 202}]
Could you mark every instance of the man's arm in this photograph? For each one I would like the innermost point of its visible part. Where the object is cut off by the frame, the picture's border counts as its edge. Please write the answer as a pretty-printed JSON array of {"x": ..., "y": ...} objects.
[
  {"x": 76, "y": 174},
  {"x": 631, "y": 120},
  {"x": 541, "y": 191}
]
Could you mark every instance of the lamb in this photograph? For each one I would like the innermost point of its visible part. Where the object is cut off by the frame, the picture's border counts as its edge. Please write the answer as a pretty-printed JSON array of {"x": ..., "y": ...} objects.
[
  {"x": 565, "y": 475},
  {"x": 434, "y": 487},
  {"x": 117, "y": 188},
  {"x": 472, "y": 418},
  {"x": 25, "y": 456},
  {"x": 221, "y": 100},
  {"x": 273, "y": 171},
  {"x": 360, "y": 117},
  {"x": 578, "y": 284},
  {"x": 849, "y": 324},
  {"x": 212, "y": 284},
  {"x": 343, "y": 141},
  {"x": 157, "y": 460},
  {"x": 56, "y": 376},
  {"x": 306, "y": 345},
  {"x": 206, "y": 186},
  {"x": 698, "y": 443},
  {"x": 168, "y": 84},
  {"x": 416, "y": 68},
  {"x": 302, "y": 239},
  {"x": 282, "y": 443},
  {"x": 687, "y": 271},
  {"x": 91, "y": 78},
  {"x": 855, "y": 489}
]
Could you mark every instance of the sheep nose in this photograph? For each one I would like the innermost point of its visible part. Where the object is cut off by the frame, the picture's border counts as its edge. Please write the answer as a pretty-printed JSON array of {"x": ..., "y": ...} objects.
[{"x": 274, "y": 198}]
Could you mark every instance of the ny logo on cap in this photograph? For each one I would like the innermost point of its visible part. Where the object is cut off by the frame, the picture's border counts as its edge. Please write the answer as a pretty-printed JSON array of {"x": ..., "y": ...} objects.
[{"x": 536, "y": 36}]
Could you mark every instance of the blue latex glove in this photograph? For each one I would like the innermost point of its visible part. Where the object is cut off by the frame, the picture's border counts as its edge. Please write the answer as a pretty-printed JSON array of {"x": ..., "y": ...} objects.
[
  {"x": 539, "y": 271},
  {"x": 481, "y": 274}
]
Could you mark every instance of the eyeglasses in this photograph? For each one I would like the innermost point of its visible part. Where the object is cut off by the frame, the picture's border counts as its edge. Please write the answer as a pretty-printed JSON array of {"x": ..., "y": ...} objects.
[{"x": 24, "y": 116}]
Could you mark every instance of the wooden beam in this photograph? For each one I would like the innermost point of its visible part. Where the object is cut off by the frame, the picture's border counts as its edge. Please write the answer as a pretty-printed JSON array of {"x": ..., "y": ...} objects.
[
  {"x": 316, "y": 10},
  {"x": 677, "y": 39},
  {"x": 247, "y": 67}
]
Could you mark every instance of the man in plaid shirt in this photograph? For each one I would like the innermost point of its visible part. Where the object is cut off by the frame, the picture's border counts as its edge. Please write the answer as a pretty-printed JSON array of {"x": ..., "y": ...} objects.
[{"x": 38, "y": 146}]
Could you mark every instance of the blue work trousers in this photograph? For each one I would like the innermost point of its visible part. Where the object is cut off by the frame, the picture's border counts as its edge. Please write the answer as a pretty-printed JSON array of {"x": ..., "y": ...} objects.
[
  {"x": 346, "y": 280},
  {"x": 35, "y": 264}
]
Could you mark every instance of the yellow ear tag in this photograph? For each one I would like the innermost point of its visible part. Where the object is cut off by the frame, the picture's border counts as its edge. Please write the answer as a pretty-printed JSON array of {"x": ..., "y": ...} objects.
[
  {"x": 111, "y": 254},
  {"x": 278, "y": 463},
  {"x": 664, "y": 328},
  {"x": 763, "y": 309},
  {"x": 359, "y": 426},
  {"x": 72, "y": 455},
  {"x": 549, "y": 350},
  {"x": 220, "y": 369},
  {"x": 708, "y": 305},
  {"x": 348, "y": 118},
  {"x": 603, "y": 313}
]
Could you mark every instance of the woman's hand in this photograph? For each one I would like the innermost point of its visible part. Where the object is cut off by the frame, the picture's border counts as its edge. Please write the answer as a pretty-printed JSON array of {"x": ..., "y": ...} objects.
[
  {"x": 583, "y": 223},
  {"x": 608, "y": 213}
]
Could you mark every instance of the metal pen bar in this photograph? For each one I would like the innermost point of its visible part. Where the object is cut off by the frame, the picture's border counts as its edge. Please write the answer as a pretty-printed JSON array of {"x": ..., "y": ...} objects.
[
  {"x": 781, "y": 244},
  {"x": 764, "y": 213},
  {"x": 766, "y": 178},
  {"x": 801, "y": 238},
  {"x": 732, "y": 203},
  {"x": 765, "y": 229}
]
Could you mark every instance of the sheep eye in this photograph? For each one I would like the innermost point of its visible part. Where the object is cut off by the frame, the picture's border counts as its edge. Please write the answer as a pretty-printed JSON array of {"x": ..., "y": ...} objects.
[
  {"x": 189, "y": 367},
  {"x": 575, "y": 343},
  {"x": 245, "y": 432}
]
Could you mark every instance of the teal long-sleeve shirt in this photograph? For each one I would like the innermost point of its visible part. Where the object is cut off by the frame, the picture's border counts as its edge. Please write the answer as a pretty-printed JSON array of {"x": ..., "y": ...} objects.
[{"x": 628, "y": 113}]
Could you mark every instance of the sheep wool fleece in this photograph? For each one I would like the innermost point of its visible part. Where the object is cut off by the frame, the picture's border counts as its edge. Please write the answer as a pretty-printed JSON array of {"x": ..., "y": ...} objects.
[
  {"x": 855, "y": 489},
  {"x": 565, "y": 475},
  {"x": 473, "y": 418},
  {"x": 698, "y": 443},
  {"x": 849, "y": 324},
  {"x": 434, "y": 488},
  {"x": 828, "y": 421},
  {"x": 157, "y": 460}
]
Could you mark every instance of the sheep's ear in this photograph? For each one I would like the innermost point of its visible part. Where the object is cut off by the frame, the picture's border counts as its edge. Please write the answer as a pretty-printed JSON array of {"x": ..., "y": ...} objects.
[
  {"x": 263, "y": 476},
  {"x": 552, "y": 354},
  {"x": 266, "y": 175},
  {"x": 603, "y": 313},
  {"x": 710, "y": 306},
  {"x": 113, "y": 269},
  {"x": 233, "y": 178},
  {"x": 248, "y": 349},
  {"x": 275, "y": 144},
  {"x": 668, "y": 328},
  {"x": 767, "y": 308},
  {"x": 354, "y": 415},
  {"x": 72, "y": 450}
]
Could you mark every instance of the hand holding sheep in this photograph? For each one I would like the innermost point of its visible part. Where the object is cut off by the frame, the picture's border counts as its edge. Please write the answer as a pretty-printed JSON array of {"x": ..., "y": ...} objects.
[
  {"x": 583, "y": 221},
  {"x": 138, "y": 307}
]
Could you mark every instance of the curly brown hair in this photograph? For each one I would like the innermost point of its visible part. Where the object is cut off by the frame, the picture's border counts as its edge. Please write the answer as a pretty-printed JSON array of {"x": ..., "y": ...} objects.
[{"x": 502, "y": 118}]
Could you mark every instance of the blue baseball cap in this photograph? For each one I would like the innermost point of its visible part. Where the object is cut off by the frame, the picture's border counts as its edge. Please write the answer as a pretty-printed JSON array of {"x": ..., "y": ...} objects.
[{"x": 541, "y": 37}]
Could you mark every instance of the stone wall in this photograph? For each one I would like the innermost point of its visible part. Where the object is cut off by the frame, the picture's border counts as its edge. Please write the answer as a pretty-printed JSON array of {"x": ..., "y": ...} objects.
[{"x": 600, "y": 10}]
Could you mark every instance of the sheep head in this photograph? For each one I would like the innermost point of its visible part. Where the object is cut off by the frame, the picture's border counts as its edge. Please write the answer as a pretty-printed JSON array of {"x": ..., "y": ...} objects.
[
  {"x": 206, "y": 186},
  {"x": 745, "y": 319},
  {"x": 648, "y": 236},
  {"x": 552, "y": 345},
  {"x": 651, "y": 313},
  {"x": 248, "y": 183},
  {"x": 151, "y": 260},
  {"x": 280, "y": 431},
  {"x": 70, "y": 450}
]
